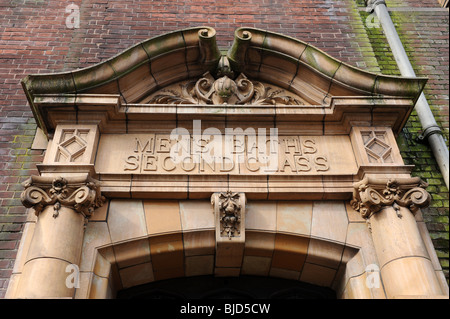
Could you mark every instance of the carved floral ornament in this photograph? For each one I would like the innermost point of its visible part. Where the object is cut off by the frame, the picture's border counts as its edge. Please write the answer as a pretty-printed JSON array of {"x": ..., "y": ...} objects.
[
  {"x": 224, "y": 90},
  {"x": 81, "y": 194},
  {"x": 371, "y": 195},
  {"x": 230, "y": 213}
]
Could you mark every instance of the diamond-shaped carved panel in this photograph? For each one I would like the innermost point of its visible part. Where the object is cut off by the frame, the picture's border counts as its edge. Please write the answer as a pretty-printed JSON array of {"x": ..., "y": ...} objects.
[
  {"x": 377, "y": 150},
  {"x": 72, "y": 146}
]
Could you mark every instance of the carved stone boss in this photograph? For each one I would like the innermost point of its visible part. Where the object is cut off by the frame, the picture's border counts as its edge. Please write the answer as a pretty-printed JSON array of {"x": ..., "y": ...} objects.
[
  {"x": 371, "y": 195},
  {"x": 81, "y": 194}
]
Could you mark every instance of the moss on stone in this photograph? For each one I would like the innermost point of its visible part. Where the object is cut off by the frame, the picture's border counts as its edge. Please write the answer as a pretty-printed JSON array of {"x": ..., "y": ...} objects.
[{"x": 436, "y": 216}]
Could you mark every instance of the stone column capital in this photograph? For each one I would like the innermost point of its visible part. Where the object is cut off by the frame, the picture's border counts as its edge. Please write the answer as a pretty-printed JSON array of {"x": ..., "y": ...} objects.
[
  {"x": 370, "y": 195},
  {"x": 81, "y": 193}
]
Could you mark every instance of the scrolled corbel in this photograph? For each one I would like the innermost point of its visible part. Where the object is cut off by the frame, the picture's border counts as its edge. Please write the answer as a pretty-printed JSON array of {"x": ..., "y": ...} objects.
[{"x": 229, "y": 208}]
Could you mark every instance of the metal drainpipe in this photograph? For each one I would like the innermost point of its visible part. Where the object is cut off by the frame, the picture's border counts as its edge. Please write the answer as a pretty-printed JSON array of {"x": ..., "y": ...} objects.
[{"x": 431, "y": 131}]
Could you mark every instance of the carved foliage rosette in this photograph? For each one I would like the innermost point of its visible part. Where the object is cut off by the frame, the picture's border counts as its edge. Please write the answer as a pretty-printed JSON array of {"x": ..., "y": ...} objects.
[
  {"x": 82, "y": 195},
  {"x": 371, "y": 195}
]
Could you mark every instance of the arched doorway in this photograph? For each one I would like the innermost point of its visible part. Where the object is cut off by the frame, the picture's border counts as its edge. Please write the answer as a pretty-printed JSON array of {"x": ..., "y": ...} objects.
[{"x": 135, "y": 248}]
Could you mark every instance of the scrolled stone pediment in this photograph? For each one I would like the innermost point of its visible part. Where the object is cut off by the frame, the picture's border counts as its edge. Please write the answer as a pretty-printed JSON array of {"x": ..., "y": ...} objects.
[{"x": 260, "y": 68}]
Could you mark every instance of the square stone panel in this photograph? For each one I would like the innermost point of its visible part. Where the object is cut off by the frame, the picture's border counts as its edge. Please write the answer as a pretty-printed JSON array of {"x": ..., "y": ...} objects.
[
  {"x": 318, "y": 275},
  {"x": 136, "y": 275},
  {"x": 196, "y": 215},
  {"x": 259, "y": 244},
  {"x": 126, "y": 220},
  {"x": 166, "y": 252},
  {"x": 256, "y": 266},
  {"x": 199, "y": 243},
  {"x": 95, "y": 235},
  {"x": 132, "y": 253},
  {"x": 262, "y": 216},
  {"x": 329, "y": 220},
  {"x": 100, "y": 214},
  {"x": 324, "y": 253},
  {"x": 290, "y": 252},
  {"x": 199, "y": 265},
  {"x": 162, "y": 216},
  {"x": 294, "y": 217}
]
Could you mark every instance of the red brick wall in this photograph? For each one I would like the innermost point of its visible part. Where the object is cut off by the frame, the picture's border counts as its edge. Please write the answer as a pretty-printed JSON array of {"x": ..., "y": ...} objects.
[{"x": 34, "y": 39}]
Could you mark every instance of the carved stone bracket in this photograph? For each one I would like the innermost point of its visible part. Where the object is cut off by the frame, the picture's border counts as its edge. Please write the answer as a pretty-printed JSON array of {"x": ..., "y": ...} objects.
[
  {"x": 81, "y": 194},
  {"x": 370, "y": 195},
  {"x": 228, "y": 208},
  {"x": 229, "y": 211}
]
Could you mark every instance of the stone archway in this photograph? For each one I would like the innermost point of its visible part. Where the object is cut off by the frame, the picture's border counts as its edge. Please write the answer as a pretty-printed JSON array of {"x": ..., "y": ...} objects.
[{"x": 139, "y": 242}]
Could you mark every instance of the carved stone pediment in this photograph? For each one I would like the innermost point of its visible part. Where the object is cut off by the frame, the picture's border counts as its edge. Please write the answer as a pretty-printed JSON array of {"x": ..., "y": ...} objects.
[
  {"x": 224, "y": 90},
  {"x": 187, "y": 67}
]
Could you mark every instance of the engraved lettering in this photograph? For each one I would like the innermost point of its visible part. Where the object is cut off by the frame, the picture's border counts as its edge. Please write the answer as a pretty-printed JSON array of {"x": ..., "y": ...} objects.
[
  {"x": 291, "y": 144},
  {"x": 309, "y": 147},
  {"x": 251, "y": 160},
  {"x": 223, "y": 154},
  {"x": 239, "y": 145},
  {"x": 213, "y": 150},
  {"x": 202, "y": 146},
  {"x": 163, "y": 145},
  {"x": 212, "y": 165},
  {"x": 302, "y": 163},
  {"x": 148, "y": 147},
  {"x": 132, "y": 163},
  {"x": 321, "y": 163},
  {"x": 182, "y": 147},
  {"x": 149, "y": 162},
  {"x": 252, "y": 146},
  {"x": 168, "y": 165},
  {"x": 226, "y": 167},
  {"x": 187, "y": 164},
  {"x": 286, "y": 162},
  {"x": 273, "y": 145}
]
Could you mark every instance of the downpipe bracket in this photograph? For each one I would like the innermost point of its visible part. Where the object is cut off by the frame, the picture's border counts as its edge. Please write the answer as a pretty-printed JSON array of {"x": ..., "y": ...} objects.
[
  {"x": 433, "y": 129},
  {"x": 371, "y": 4}
]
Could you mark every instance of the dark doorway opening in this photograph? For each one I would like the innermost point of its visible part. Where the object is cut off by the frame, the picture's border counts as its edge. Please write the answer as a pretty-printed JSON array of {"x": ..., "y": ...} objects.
[{"x": 243, "y": 287}]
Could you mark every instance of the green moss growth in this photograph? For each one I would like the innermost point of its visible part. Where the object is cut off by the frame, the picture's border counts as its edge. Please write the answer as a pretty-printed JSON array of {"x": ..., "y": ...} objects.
[{"x": 413, "y": 152}]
